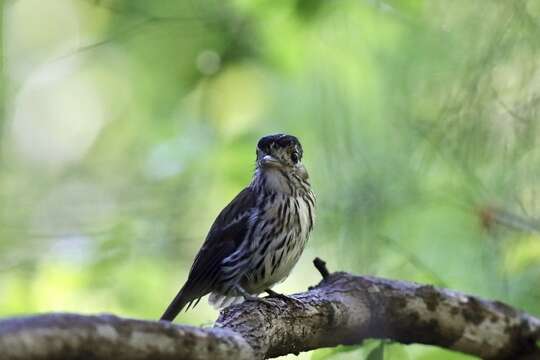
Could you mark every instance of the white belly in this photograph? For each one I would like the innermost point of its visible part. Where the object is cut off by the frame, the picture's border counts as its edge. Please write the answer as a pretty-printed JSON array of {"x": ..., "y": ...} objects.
[{"x": 284, "y": 250}]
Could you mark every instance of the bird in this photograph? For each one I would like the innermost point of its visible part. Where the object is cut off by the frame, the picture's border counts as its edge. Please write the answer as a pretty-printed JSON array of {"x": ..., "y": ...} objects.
[{"x": 257, "y": 239}]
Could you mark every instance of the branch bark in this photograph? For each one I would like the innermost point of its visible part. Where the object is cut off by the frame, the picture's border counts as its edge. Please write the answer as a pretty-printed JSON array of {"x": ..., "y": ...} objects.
[{"x": 341, "y": 309}]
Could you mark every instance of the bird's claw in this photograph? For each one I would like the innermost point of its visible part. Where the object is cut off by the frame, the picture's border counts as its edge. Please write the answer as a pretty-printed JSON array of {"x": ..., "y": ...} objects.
[
  {"x": 286, "y": 298},
  {"x": 257, "y": 299},
  {"x": 248, "y": 297}
]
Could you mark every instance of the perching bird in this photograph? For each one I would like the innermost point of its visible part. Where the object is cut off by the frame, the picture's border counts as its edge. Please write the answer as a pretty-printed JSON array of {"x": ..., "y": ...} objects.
[{"x": 257, "y": 239}]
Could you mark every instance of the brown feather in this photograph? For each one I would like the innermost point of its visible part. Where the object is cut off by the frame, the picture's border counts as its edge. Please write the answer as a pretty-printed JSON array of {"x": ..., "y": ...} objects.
[{"x": 225, "y": 235}]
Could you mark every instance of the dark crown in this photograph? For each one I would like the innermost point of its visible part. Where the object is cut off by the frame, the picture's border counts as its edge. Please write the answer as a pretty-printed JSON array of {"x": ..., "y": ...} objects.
[{"x": 278, "y": 140}]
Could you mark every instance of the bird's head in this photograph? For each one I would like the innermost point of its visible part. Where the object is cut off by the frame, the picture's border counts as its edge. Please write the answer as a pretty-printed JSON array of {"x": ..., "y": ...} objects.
[{"x": 282, "y": 152}]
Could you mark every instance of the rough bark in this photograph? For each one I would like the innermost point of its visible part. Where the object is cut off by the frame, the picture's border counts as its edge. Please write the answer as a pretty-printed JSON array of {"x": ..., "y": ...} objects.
[{"x": 341, "y": 309}]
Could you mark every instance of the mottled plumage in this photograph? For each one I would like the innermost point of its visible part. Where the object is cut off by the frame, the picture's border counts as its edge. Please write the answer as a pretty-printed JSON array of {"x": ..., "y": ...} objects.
[{"x": 257, "y": 239}]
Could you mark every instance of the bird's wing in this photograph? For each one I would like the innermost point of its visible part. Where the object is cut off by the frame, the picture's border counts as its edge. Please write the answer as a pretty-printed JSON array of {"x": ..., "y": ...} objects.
[{"x": 224, "y": 237}]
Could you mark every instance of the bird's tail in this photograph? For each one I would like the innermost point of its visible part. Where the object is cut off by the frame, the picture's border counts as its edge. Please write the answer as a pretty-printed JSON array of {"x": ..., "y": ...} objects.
[{"x": 178, "y": 303}]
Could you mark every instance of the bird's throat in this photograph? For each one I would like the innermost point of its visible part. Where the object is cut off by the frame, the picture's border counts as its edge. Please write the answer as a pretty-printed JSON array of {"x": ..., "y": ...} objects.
[{"x": 273, "y": 180}]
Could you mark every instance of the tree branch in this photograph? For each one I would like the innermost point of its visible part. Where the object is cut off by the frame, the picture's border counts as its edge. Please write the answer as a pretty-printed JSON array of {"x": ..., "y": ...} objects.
[{"x": 341, "y": 309}]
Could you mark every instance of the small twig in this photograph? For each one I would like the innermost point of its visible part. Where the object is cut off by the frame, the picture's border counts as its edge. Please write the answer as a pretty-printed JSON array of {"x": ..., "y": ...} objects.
[{"x": 321, "y": 266}]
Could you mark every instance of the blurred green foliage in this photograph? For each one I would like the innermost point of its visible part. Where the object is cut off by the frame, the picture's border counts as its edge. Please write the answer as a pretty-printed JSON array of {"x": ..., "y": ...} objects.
[{"x": 127, "y": 125}]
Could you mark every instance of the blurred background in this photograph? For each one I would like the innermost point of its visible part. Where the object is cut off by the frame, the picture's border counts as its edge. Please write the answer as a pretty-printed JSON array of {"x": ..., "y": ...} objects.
[{"x": 128, "y": 124}]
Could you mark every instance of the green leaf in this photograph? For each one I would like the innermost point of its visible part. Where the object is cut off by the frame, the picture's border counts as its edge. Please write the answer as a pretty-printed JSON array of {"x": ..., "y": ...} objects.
[
  {"x": 325, "y": 354},
  {"x": 377, "y": 353},
  {"x": 396, "y": 351}
]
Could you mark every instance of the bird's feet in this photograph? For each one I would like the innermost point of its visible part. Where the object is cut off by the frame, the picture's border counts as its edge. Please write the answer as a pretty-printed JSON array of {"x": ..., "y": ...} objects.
[
  {"x": 248, "y": 297},
  {"x": 258, "y": 299},
  {"x": 286, "y": 298}
]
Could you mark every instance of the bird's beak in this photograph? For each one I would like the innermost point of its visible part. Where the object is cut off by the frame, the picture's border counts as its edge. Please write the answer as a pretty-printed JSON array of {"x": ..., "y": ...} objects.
[{"x": 270, "y": 161}]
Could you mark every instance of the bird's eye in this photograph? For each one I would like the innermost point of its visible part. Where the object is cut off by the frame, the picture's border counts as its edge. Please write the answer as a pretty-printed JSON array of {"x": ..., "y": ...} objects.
[{"x": 294, "y": 157}]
